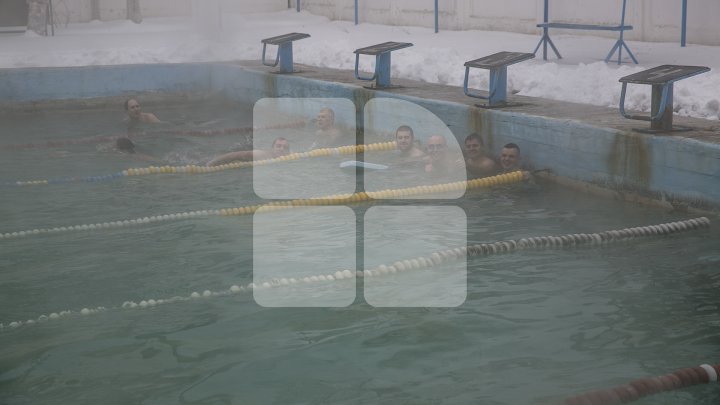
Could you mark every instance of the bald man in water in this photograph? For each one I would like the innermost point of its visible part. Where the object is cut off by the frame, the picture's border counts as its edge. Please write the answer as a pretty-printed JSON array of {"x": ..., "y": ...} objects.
[
  {"x": 440, "y": 161},
  {"x": 327, "y": 134}
]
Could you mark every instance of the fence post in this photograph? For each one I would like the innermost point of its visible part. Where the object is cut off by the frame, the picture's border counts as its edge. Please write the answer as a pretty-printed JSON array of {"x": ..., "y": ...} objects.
[{"x": 683, "y": 23}]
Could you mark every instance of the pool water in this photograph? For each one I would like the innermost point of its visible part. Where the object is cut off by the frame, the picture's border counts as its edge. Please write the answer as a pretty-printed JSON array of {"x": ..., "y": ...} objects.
[{"x": 535, "y": 327}]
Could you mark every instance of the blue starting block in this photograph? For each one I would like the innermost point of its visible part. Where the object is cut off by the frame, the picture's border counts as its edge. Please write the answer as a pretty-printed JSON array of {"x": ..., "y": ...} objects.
[
  {"x": 284, "y": 53},
  {"x": 497, "y": 63},
  {"x": 382, "y": 61},
  {"x": 661, "y": 79}
]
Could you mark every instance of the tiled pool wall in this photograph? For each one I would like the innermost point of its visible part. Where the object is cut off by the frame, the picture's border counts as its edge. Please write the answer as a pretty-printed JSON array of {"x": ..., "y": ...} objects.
[{"x": 664, "y": 167}]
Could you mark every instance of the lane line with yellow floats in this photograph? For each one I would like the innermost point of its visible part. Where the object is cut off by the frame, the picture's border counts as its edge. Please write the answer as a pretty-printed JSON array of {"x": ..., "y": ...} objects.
[
  {"x": 434, "y": 259},
  {"x": 338, "y": 199},
  {"x": 195, "y": 169}
]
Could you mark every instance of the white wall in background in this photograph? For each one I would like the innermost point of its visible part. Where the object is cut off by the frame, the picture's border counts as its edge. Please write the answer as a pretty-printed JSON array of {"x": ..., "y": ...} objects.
[
  {"x": 81, "y": 10},
  {"x": 653, "y": 20}
]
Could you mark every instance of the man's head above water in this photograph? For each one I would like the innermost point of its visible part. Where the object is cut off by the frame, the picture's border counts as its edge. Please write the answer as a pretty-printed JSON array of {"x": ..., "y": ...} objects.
[
  {"x": 280, "y": 147},
  {"x": 125, "y": 145},
  {"x": 405, "y": 138},
  {"x": 135, "y": 114},
  {"x": 510, "y": 157}
]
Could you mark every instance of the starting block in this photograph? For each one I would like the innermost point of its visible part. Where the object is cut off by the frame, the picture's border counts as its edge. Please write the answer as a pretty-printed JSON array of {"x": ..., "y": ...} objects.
[
  {"x": 661, "y": 79},
  {"x": 284, "y": 53},
  {"x": 497, "y": 64},
  {"x": 382, "y": 61}
]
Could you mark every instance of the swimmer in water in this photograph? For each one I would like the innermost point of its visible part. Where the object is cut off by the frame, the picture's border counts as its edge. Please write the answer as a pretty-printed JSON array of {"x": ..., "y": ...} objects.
[
  {"x": 135, "y": 114},
  {"x": 476, "y": 164},
  {"x": 327, "y": 134},
  {"x": 440, "y": 161},
  {"x": 126, "y": 146},
  {"x": 406, "y": 149},
  {"x": 510, "y": 160},
  {"x": 279, "y": 147}
]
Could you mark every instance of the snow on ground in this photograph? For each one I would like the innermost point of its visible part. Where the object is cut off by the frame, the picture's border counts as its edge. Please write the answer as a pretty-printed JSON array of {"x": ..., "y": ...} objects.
[{"x": 580, "y": 77}]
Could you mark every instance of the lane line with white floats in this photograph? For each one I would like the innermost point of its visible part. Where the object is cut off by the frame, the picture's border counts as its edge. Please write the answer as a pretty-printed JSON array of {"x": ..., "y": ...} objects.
[
  {"x": 195, "y": 169},
  {"x": 435, "y": 259},
  {"x": 339, "y": 199}
]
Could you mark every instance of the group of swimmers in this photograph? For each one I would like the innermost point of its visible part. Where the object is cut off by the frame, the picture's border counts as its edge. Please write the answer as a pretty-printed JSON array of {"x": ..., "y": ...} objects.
[
  {"x": 438, "y": 159},
  {"x": 435, "y": 157}
]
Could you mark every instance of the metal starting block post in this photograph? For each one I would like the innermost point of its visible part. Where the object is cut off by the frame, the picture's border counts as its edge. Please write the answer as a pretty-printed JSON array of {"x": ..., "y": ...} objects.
[
  {"x": 285, "y": 52},
  {"x": 497, "y": 64},
  {"x": 382, "y": 61},
  {"x": 661, "y": 79}
]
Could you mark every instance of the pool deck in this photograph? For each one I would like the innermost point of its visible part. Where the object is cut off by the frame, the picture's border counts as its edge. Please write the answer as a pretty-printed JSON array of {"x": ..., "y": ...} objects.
[
  {"x": 702, "y": 130},
  {"x": 577, "y": 143}
]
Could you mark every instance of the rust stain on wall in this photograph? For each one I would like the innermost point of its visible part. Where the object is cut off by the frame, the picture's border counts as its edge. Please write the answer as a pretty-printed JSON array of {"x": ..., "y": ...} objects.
[
  {"x": 480, "y": 121},
  {"x": 360, "y": 97},
  {"x": 270, "y": 84},
  {"x": 629, "y": 159}
]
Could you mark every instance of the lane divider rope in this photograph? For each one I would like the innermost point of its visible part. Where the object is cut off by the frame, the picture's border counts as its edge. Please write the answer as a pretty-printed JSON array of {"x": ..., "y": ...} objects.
[
  {"x": 195, "y": 169},
  {"x": 434, "y": 259},
  {"x": 623, "y": 394},
  {"x": 338, "y": 199},
  {"x": 112, "y": 138}
]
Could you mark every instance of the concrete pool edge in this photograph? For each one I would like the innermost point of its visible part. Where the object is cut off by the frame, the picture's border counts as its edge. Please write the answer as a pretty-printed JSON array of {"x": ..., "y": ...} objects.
[{"x": 588, "y": 144}]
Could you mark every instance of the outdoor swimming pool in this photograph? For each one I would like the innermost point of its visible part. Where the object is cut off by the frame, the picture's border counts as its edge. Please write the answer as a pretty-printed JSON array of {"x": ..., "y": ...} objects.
[{"x": 535, "y": 327}]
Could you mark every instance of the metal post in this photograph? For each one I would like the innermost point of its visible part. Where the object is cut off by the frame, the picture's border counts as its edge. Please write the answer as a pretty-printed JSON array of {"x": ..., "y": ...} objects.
[
  {"x": 356, "y": 12},
  {"x": 382, "y": 67},
  {"x": 297, "y": 4},
  {"x": 498, "y": 86},
  {"x": 51, "y": 17},
  {"x": 622, "y": 32},
  {"x": 436, "y": 16},
  {"x": 285, "y": 53},
  {"x": 683, "y": 23},
  {"x": 665, "y": 122},
  {"x": 545, "y": 29}
]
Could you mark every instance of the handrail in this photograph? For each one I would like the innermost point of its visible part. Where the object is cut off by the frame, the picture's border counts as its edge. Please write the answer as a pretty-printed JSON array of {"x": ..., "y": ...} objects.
[
  {"x": 277, "y": 57},
  {"x": 656, "y": 117},
  {"x": 491, "y": 84},
  {"x": 357, "y": 71}
]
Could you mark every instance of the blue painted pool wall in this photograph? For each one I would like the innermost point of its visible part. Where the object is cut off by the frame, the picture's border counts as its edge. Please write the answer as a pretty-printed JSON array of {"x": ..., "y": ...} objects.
[
  {"x": 39, "y": 84},
  {"x": 672, "y": 166}
]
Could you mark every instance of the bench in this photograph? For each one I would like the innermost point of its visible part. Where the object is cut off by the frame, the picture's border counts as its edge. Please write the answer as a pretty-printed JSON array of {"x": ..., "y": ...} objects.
[
  {"x": 661, "y": 79},
  {"x": 619, "y": 44},
  {"x": 497, "y": 63},
  {"x": 284, "y": 53},
  {"x": 382, "y": 61}
]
